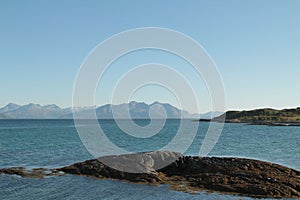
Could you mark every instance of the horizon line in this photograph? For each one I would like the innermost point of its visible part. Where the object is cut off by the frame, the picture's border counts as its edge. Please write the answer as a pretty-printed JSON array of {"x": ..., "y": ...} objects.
[{"x": 100, "y": 105}]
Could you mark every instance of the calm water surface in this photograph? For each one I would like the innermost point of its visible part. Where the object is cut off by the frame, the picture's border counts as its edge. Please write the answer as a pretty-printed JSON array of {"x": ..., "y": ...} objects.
[{"x": 55, "y": 143}]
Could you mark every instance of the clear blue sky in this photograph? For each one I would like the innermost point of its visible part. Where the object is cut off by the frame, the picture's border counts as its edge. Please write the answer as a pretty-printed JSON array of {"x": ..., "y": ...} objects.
[{"x": 255, "y": 44}]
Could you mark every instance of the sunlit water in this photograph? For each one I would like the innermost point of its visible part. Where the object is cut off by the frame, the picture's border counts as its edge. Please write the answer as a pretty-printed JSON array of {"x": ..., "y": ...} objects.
[{"x": 55, "y": 143}]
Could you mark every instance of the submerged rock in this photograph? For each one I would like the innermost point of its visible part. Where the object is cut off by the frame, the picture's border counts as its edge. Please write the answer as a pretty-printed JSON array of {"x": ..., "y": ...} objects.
[{"x": 31, "y": 173}]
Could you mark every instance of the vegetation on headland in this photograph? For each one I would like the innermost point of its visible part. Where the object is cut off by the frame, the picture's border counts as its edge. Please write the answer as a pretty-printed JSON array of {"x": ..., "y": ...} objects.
[{"x": 258, "y": 116}]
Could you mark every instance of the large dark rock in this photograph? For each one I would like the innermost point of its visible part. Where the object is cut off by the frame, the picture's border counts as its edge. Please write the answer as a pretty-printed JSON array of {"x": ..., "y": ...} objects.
[
  {"x": 184, "y": 173},
  {"x": 139, "y": 167},
  {"x": 227, "y": 175},
  {"x": 235, "y": 175},
  {"x": 141, "y": 162}
]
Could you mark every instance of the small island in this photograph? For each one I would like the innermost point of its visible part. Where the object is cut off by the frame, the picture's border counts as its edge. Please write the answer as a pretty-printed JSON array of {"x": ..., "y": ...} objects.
[
  {"x": 266, "y": 116},
  {"x": 237, "y": 176}
]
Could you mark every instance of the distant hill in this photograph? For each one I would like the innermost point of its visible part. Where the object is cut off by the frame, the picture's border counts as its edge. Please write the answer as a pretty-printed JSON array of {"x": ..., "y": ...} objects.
[
  {"x": 211, "y": 115},
  {"x": 137, "y": 110},
  {"x": 9, "y": 107},
  {"x": 2, "y": 116},
  {"x": 263, "y": 115},
  {"x": 32, "y": 111}
]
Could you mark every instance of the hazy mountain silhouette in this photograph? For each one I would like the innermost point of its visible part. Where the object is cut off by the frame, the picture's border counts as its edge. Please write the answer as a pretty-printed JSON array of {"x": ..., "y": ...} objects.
[
  {"x": 9, "y": 107},
  {"x": 33, "y": 111},
  {"x": 136, "y": 110}
]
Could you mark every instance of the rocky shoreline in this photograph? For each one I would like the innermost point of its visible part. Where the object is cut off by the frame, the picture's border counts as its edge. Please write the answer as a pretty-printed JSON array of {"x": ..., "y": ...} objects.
[
  {"x": 238, "y": 176},
  {"x": 262, "y": 123},
  {"x": 275, "y": 124}
]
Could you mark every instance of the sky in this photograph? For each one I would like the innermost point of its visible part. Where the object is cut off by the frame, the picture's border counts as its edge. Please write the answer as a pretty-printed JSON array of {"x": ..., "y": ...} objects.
[{"x": 255, "y": 45}]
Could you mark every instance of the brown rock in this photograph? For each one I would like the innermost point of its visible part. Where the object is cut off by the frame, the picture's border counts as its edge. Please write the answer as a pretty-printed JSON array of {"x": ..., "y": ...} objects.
[
  {"x": 227, "y": 175},
  {"x": 189, "y": 174}
]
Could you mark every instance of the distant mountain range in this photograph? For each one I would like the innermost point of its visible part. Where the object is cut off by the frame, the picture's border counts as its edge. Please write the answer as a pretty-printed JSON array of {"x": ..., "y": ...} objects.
[
  {"x": 137, "y": 110},
  {"x": 33, "y": 111}
]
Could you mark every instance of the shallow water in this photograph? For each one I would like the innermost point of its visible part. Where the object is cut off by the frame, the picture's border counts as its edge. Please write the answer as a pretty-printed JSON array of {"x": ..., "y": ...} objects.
[{"x": 55, "y": 143}]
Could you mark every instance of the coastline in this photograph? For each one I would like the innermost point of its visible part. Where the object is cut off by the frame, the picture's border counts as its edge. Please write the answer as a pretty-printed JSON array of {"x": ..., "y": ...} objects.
[{"x": 262, "y": 123}]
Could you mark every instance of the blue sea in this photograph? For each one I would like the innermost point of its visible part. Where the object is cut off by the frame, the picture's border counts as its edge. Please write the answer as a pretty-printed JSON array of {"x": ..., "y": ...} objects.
[{"x": 56, "y": 143}]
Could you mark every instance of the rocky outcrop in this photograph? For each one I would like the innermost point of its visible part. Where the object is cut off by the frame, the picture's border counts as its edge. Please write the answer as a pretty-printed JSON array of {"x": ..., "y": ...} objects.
[
  {"x": 234, "y": 175},
  {"x": 141, "y": 162},
  {"x": 227, "y": 175},
  {"x": 31, "y": 173},
  {"x": 240, "y": 176}
]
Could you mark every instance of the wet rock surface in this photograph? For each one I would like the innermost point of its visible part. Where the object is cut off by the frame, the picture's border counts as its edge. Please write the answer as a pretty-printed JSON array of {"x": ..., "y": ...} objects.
[
  {"x": 31, "y": 173},
  {"x": 240, "y": 176}
]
